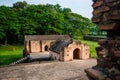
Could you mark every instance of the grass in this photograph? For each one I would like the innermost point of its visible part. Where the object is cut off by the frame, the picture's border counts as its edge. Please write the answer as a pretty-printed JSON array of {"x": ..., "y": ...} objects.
[
  {"x": 8, "y": 54},
  {"x": 92, "y": 46}
]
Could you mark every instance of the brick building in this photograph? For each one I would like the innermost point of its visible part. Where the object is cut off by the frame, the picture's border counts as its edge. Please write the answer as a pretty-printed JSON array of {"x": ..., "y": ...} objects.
[
  {"x": 60, "y": 47},
  {"x": 69, "y": 50},
  {"x": 41, "y": 43}
]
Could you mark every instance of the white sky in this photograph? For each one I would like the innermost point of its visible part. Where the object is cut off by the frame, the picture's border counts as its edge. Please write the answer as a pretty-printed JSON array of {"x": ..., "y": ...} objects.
[{"x": 82, "y": 7}]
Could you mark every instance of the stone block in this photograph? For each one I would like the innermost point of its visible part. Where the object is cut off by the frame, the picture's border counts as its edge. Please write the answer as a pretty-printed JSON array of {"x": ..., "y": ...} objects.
[
  {"x": 114, "y": 17},
  {"x": 97, "y": 4},
  {"x": 109, "y": 26},
  {"x": 100, "y": 10},
  {"x": 97, "y": 75},
  {"x": 95, "y": 20}
]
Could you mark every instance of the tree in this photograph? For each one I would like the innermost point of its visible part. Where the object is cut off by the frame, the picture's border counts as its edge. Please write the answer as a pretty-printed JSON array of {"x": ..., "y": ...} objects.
[
  {"x": 20, "y": 5},
  {"x": 8, "y": 20},
  {"x": 23, "y": 19}
]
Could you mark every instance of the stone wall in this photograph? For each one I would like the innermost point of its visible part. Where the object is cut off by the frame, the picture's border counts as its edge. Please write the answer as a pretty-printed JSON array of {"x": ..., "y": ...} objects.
[{"x": 106, "y": 14}]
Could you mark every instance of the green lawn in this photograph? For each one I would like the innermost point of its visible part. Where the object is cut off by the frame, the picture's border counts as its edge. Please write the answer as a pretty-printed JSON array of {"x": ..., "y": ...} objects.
[
  {"x": 9, "y": 54},
  {"x": 92, "y": 46}
]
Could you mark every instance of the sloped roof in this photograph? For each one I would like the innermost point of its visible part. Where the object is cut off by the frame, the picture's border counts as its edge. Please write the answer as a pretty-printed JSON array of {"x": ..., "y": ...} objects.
[
  {"x": 46, "y": 37},
  {"x": 58, "y": 45}
]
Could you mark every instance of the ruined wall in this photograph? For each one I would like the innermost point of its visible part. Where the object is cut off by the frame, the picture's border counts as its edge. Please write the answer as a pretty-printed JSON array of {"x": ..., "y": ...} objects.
[{"x": 106, "y": 14}]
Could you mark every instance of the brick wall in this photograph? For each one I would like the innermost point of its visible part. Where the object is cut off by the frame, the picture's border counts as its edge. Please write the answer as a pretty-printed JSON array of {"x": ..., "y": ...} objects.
[
  {"x": 75, "y": 50},
  {"x": 106, "y": 13}
]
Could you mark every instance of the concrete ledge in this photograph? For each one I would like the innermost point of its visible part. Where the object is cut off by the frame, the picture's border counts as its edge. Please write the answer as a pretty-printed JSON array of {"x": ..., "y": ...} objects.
[
  {"x": 95, "y": 74},
  {"x": 39, "y": 55}
]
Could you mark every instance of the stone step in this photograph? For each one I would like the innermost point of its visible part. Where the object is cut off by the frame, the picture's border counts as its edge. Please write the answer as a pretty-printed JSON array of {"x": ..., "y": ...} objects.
[{"x": 95, "y": 74}]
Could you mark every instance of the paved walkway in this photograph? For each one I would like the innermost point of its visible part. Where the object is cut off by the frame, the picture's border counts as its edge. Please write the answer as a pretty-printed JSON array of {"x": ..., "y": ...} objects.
[{"x": 72, "y": 70}]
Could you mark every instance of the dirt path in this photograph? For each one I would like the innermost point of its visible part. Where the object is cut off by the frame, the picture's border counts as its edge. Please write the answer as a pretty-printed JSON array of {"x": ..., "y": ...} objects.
[{"x": 73, "y": 70}]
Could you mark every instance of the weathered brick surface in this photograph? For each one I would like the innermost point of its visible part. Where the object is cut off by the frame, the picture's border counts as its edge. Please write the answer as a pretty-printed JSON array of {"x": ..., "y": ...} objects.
[
  {"x": 107, "y": 16},
  {"x": 97, "y": 4},
  {"x": 100, "y": 10},
  {"x": 109, "y": 26},
  {"x": 106, "y": 13}
]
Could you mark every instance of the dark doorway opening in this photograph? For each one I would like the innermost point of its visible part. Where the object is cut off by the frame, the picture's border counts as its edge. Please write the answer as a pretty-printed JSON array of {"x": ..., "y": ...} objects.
[
  {"x": 46, "y": 48},
  {"x": 76, "y": 54}
]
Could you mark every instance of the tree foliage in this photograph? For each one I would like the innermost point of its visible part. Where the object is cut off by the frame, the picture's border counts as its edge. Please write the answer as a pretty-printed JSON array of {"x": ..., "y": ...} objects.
[{"x": 23, "y": 19}]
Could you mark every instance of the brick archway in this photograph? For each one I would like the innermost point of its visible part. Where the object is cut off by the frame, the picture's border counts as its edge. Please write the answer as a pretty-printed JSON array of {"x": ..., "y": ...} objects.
[{"x": 76, "y": 53}]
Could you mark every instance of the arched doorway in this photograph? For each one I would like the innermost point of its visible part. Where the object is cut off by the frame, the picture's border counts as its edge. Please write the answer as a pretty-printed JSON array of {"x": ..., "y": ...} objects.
[
  {"x": 46, "y": 48},
  {"x": 76, "y": 54}
]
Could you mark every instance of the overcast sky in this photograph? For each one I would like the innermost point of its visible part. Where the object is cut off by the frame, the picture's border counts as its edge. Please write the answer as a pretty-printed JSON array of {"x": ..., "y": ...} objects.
[{"x": 82, "y": 7}]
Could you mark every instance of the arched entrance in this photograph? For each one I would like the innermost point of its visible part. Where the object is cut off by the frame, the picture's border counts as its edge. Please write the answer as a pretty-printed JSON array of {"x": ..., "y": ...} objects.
[
  {"x": 46, "y": 48},
  {"x": 76, "y": 54}
]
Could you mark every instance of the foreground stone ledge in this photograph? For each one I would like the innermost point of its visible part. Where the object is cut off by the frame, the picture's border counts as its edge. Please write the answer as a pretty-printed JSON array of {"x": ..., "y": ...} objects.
[{"x": 97, "y": 75}]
